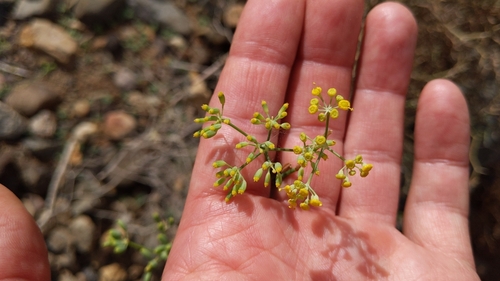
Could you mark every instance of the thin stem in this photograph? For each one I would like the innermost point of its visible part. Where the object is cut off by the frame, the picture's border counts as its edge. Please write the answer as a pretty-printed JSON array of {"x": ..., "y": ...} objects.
[
  {"x": 327, "y": 125},
  {"x": 237, "y": 129}
]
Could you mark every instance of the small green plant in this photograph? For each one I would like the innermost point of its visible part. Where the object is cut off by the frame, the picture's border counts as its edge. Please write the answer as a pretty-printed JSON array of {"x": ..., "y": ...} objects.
[
  {"x": 312, "y": 150},
  {"x": 119, "y": 239}
]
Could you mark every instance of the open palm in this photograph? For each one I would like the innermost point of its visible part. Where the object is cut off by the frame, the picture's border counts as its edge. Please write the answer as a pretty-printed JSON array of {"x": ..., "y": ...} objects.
[{"x": 280, "y": 48}]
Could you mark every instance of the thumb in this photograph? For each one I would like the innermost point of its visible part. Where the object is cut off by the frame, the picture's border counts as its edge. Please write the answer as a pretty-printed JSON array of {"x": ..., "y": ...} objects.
[{"x": 23, "y": 255}]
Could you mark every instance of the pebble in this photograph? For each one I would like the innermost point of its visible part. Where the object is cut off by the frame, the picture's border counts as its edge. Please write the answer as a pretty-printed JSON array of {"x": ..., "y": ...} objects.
[
  {"x": 82, "y": 228},
  {"x": 60, "y": 240},
  {"x": 97, "y": 10},
  {"x": 80, "y": 108},
  {"x": 12, "y": 125},
  {"x": 118, "y": 124},
  {"x": 232, "y": 14},
  {"x": 50, "y": 38},
  {"x": 143, "y": 104},
  {"x": 28, "y": 8},
  {"x": 125, "y": 79},
  {"x": 43, "y": 124},
  {"x": 163, "y": 12},
  {"x": 27, "y": 98},
  {"x": 43, "y": 149},
  {"x": 112, "y": 272},
  {"x": 35, "y": 174}
]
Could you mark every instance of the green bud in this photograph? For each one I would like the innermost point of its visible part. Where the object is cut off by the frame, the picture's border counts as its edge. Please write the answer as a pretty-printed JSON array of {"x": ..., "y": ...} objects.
[
  {"x": 228, "y": 184},
  {"x": 152, "y": 264},
  {"x": 214, "y": 111},
  {"x": 115, "y": 234},
  {"x": 267, "y": 179},
  {"x": 285, "y": 126},
  {"x": 222, "y": 98},
  {"x": 219, "y": 182},
  {"x": 164, "y": 255},
  {"x": 278, "y": 167},
  {"x": 219, "y": 163},
  {"x": 242, "y": 144},
  {"x": 122, "y": 224},
  {"x": 120, "y": 247},
  {"x": 162, "y": 238},
  {"x": 215, "y": 126},
  {"x": 242, "y": 187},
  {"x": 282, "y": 110},
  {"x": 258, "y": 175},
  {"x": 279, "y": 180},
  {"x": 146, "y": 252},
  {"x": 156, "y": 217},
  {"x": 208, "y": 134},
  {"x": 265, "y": 107},
  {"x": 147, "y": 276}
]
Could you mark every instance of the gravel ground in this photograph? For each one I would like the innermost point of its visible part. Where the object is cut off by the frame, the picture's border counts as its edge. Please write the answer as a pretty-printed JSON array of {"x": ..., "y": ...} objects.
[{"x": 98, "y": 128}]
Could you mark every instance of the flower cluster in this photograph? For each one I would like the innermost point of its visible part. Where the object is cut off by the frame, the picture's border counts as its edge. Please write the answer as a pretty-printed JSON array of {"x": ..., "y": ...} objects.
[
  {"x": 349, "y": 169},
  {"x": 309, "y": 154},
  {"x": 327, "y": 108}
]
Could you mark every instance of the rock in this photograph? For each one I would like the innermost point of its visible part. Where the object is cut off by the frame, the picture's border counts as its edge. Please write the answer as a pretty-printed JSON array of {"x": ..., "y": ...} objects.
[
  {"x": 27, "y": 98},
  {"x": 66, "y": 275},
  {"x": 43, "y": 149},
  {"x": 60, "y": 240},
  {"x": 112, "y": 272},
  {"x": 163, "y": 12},
  {"x": 5, "y": 9},
  {"x": 43, "y": 124},
  {"x": 143, "y": 104},
  {"x": 83, "y": 228},
  {"x": 33, "y": 203},
  {"x": 232, "y": 14},
  {"x": 125, "y": 79},
  {"x": 35, "y": 174},
  {"x": 92, "y": 11},
  {"x": 80, "y": 108},
  {"x": 50, "y": 38},
  {"x": 28, "y": 8},
  {"x": 118, "y": 124},
  {"x": 12, "y": 125}
]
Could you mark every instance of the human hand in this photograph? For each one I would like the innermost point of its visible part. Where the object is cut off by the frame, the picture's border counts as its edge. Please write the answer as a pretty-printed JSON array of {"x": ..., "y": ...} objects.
[
  {"x": 23, "y": 255},
  {"x": 279, "y": 49}
]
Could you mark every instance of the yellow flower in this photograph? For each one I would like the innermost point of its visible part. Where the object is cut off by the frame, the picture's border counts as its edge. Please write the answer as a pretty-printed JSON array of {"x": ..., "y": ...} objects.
[
  {"x": 345, "y": 105},
  {"x": 332, "y": 92},
  {"x": 319, "y": 140},
  {"x": 358, "y": 159},
  {"x": 321, "y": 117},
  {"x": 303, "y": 192},
  {"x": 315, "y": 202},
  {"x": 304, "y": 206},
  {"x": 313, "y": 108},
  {"x": 308, "y": 156},
  {"x": 316, "y": 91},
  {"x": 314, "y": 101},
  {"x": 297, "y": 149},
  {"x": 346, "y": 183},
  {"x": 349, "y": 164},
  {"x": 303, "y": 137},
  {"x": 334, "y": 113}
]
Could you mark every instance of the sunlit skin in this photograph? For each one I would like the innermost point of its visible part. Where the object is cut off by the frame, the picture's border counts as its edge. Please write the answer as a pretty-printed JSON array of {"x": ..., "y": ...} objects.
[{"x": 280, "y": 48}]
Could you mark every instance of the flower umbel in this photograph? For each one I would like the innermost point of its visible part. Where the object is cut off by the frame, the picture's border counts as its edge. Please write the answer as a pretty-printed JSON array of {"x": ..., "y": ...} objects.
[{"x": 310, "y": 152}]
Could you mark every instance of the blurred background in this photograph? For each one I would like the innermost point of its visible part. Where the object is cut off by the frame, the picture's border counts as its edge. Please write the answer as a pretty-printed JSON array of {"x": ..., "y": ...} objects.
[{"x": 97, "y": 99}]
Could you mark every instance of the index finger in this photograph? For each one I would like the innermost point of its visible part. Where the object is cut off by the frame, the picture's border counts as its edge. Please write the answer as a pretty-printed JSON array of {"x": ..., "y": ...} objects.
[{"x": 258, "y": 68}]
